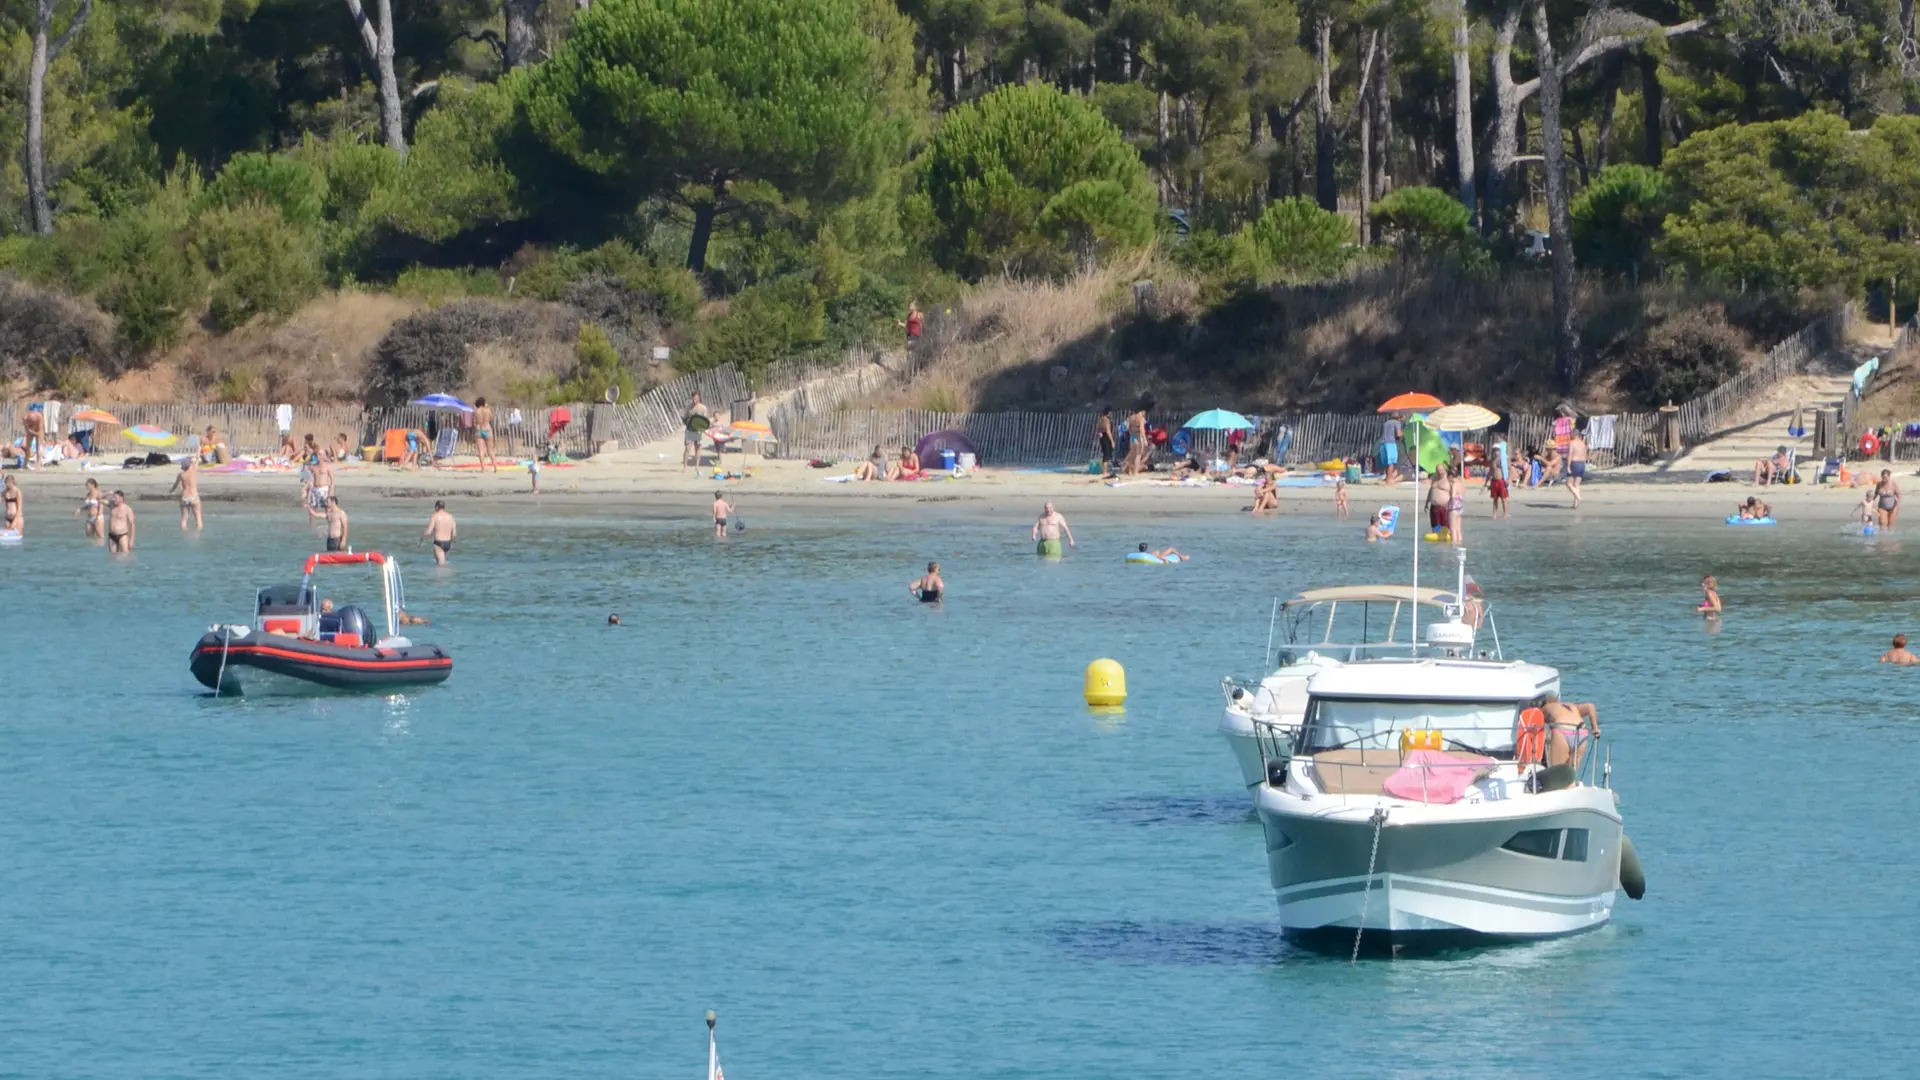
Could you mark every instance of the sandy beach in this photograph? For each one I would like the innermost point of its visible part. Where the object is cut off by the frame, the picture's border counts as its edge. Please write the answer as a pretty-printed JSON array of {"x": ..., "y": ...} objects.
[{"x": 650, "y": 482}]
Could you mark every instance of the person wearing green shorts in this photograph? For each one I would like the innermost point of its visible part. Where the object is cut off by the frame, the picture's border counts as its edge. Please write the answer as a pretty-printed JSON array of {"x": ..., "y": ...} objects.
[{"x": 1048, "y": 531}]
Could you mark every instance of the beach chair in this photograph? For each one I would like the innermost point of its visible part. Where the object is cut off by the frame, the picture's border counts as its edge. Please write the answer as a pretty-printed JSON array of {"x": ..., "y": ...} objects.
[{"x": 444, "y": 443}]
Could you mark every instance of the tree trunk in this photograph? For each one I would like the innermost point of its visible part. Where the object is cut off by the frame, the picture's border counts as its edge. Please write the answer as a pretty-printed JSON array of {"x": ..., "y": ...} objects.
[
  {"x": 379, "y": 42},
  {"x": 1325, "y": 186},
  {"x": 1653, "y": 102},
  {"x": 1566, "y": 337},
  {"x": 1463, "y": 109},
  {"x": 1580, "y": 155},
  {"x": 1160, "y": 147},
  {"x": 949, "y": 84},
  {"x": 703, "y": 212},
  {"x": 45, "y": 52},
  {"x": 523, "y": 38},
  {"x": 1609, "y": 94},
  {"x": 1506, "y": 139},
  {"x": 1383, "y": 120},
  {"x": 1363, "y": 104}
]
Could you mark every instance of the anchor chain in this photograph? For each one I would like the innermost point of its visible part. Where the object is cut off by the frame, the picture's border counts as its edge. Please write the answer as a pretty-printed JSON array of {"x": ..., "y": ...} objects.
[{"x": 1366, "y": 891}]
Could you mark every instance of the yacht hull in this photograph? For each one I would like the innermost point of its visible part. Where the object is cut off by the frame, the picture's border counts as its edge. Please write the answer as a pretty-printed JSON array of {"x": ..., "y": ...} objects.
[{"x": 1440, "y": 873}]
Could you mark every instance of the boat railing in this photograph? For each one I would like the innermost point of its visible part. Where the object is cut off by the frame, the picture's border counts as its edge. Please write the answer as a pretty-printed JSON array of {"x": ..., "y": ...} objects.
[{"x": 1364, "y": 771}]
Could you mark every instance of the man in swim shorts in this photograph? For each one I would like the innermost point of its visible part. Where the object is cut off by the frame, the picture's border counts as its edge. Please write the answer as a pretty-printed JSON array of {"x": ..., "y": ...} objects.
[
  {"x": 1899, "y": 654},
  {"x": 722, "y": 513},
  {"x": 440, "y": 530},
  {"x": 691, "y": 455},
  {"x": 120, "y": 525},
  {"x": 321, "y": 470},
  {"x": 1576, "y": 465},
  {"x": 1390, "y": 449},
  {"x": 1047, "y": 532},
  {"x": 337, "y": 525},
  {"x": 187, "y": 483}
]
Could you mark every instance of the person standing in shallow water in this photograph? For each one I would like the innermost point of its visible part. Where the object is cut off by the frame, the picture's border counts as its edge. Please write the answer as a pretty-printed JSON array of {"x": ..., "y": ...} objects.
[
  {"x": 1047, "y": 532},
  {"x": 440, "y": 530},
  {"x": 928, "y": 588},
  {"x": 1899, "y": 654},
  {"x": 1710, "y": 597},
  {"x": 722, "y": 513}
]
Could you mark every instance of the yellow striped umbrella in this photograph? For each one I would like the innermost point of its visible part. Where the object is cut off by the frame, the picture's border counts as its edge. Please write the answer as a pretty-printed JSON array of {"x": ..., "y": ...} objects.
[{"x": 1461, "y": 417}]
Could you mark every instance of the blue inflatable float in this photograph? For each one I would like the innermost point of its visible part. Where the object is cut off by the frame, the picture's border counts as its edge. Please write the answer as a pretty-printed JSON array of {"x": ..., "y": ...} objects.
[
  {"x": 1736, "y": 519},
  {"x": 1148, "y": 558}
]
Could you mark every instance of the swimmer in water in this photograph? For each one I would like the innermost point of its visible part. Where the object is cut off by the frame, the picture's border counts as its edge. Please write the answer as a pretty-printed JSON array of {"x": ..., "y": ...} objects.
[
  {"x": 1710, "y": 599},
  {"x": 1167, "y": 553},
  {"x": 93, "y": 512},
  {"x": 1375, "y": 529},
  {"x": 929, "y": 587},
  {"x": 1899, "y": 654},
  {"x": 613, "y": 620},
  {"x": 722, "y": 513}
]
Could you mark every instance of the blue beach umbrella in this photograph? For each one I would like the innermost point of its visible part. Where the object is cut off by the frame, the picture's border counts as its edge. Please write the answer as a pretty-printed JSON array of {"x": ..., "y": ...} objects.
[
  {"x": 1219, "y": 420},
  {"x": 441, "y": 401}
]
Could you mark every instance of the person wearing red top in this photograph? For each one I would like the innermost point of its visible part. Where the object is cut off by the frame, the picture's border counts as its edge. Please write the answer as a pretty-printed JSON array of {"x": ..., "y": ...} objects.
[{"x": 915, "y": 320}]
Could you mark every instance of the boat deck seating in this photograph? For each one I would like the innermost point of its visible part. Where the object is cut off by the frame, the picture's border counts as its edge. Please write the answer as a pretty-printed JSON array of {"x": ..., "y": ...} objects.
[{"x": 1355, "y": 771}]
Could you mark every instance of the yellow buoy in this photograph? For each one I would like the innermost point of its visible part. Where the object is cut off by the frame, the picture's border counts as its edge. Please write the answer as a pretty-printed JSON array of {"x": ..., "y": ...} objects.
[{"x": 1106, "y": 683}]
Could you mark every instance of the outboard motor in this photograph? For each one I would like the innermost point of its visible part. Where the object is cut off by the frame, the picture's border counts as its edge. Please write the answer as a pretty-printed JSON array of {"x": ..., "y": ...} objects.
[{"x": 354, "y": 621}]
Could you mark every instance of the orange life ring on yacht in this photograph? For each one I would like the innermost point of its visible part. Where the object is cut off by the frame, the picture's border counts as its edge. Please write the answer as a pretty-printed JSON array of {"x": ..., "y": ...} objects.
[
  {"x": 1869, "y": 444},
  {"x": 1531, "y": 745}
]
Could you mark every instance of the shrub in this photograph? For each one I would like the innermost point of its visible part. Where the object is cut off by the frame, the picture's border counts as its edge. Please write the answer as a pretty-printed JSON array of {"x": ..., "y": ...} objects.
[
  {"x": 426, "y": 352},
  {"x": 764, "y": 324},
  {"x": 40, "y": 329},
  {"x": 286, "y": 183},
  {"x": 260, "y": 264},
  {"x": 1295, "y": 240},
  {"x": 157, "y": 285},
  {"x": 1683, "y": 357},
  {"x": 1426, "y": 219},
  {"x": 670, "y": 294},
  {"x": 436, "y": 285},
  {"x": 996, "y": 164},
  {"x": 1095, "y": 217},
  {"x": 1617, "y": 219},
  {"x": 597, "y": 369}
]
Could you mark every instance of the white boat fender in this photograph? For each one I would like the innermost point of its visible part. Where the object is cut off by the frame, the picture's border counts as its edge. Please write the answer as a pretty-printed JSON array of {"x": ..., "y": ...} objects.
[{"x": 1633, "y": 880}]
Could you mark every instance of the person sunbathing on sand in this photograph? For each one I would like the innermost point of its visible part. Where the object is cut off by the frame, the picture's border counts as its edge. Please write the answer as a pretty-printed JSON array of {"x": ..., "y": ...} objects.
[{"x": 1266, "y": 497}]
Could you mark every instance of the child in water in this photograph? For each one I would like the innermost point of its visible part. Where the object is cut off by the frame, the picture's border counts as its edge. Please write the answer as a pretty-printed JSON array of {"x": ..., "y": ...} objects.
[
  {"x": 1340, "y": 498},
  {"x": 1374, "y": 531}
]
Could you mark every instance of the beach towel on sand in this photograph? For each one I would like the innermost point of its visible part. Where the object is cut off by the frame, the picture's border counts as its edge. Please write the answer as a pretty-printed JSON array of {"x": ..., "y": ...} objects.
[{"x": 1435, "y": 776}]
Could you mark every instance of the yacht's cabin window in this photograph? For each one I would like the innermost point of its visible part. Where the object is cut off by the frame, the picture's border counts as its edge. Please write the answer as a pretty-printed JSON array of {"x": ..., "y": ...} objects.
[{"x": 1352, "y": 724}]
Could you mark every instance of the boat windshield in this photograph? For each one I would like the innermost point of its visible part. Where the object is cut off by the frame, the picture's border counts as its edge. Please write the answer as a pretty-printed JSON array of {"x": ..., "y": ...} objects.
[
  {"x": 1353, "y": 724},
  {"x": 1360, "y": 629}
]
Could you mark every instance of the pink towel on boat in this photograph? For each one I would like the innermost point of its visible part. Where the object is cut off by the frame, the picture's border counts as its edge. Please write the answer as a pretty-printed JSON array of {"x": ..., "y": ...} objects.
[{"x": 1435, "y": 776}]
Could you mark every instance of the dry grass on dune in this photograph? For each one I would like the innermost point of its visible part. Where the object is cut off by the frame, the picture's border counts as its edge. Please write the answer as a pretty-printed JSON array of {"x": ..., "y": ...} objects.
[
  {"x": 317, "y": 356},
  {"x": 1339, "y": 346}
]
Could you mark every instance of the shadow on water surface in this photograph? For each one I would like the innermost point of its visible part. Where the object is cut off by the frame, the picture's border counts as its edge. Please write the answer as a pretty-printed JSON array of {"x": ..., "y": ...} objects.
[
  {"x": 1177, "y": 810},
  {"x": 1181, "y": 943}
]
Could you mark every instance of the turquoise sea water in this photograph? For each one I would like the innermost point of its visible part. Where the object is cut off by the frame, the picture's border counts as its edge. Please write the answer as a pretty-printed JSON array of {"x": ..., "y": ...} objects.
[{"x": 884, "y": 839}]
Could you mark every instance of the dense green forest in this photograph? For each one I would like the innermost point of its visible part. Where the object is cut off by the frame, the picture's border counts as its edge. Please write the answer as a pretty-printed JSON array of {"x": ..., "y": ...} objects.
[{"x": 758, "y": 179}]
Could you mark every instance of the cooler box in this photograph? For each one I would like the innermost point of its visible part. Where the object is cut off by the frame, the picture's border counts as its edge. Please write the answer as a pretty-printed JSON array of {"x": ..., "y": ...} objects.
[{"x": 946, "y": 460}]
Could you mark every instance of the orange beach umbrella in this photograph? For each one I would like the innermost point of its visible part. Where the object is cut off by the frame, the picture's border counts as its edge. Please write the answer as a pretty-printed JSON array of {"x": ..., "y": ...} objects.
[{"x": 1409, "y": 402}]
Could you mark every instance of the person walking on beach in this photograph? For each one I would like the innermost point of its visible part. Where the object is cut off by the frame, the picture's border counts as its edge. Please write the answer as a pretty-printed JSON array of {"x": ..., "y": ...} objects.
[
  {"x": 1104, "y": 438},
  {"x": 338, "y": 528},
  {"x": 722, "y": 513},
  {"x": 13, "y": 514},
  {"x": 1047, "y": 532},
  {"x": 1899, "y": 654},
  {"x": 1390, "y": 449},
  {"x": 1887, "y": 498},
  {"x": 913, "y": 323},
  {"x": 34, "y": 427},
  {"x": 1137, "y": 445},
  {"x": 697, "y": 420},
  {"x": 1439, "y": 496},
  {"x": 1576, "y": 465},
  {"x": 928, "y": 588},
  {"x": 440, "y": 530},
  {"x": 187, "y": 483},
  {"x": 483, "y": 434},
  {"x": 120, "y": 525}
]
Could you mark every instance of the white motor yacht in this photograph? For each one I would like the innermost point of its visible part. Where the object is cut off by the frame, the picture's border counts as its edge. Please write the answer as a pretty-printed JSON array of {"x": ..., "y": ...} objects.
[
  {"x": 1322, "y": 629},
  {"x": 1414, "y": 803}
]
